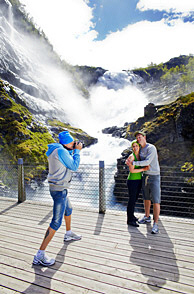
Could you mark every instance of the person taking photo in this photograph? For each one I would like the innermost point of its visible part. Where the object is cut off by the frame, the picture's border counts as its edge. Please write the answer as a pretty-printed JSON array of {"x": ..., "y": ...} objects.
[{"x": 63, "y": 159}]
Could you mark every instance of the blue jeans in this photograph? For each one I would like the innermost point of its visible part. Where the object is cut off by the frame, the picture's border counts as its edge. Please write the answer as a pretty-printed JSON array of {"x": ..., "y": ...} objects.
[{"x": 62, "y": 206}]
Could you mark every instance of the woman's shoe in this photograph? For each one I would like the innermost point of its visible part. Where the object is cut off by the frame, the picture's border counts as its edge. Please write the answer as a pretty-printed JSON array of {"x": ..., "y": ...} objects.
[{"x": 132, "y": 223}]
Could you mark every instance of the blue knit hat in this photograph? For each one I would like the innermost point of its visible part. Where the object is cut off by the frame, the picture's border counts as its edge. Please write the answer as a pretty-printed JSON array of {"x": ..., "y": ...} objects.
[{"x": 65, "y": 137}]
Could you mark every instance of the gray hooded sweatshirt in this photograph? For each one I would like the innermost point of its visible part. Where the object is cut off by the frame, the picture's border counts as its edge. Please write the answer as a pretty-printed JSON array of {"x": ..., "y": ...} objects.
[{"x": 61, "y": 164}]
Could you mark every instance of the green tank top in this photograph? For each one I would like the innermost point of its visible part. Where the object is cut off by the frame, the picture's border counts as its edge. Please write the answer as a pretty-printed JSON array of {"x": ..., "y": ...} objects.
[{"x": 135, "y": 176}]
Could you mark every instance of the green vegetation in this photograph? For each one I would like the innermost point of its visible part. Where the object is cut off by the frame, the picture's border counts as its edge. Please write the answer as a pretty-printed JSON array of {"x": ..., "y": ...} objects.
[
  {"x": 72, "y": 130},
  {"x": 76, "y": 133},
  {"x": 181, "y": 69},
  {"x": 188, "y": 166},
  {"x": 171, "y": 129},
  {"x": 185, "y": 74},
  {"x": 21, "y": 136}
]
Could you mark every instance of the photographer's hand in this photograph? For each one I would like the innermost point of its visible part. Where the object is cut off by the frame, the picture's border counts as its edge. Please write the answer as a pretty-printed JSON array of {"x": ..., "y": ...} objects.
[{"x": 78, "y": 145}]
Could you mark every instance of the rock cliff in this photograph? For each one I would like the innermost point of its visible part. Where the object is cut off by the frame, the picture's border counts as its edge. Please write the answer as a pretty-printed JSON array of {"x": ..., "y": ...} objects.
[
  {"x": 161, "y": 83},
  {"x": 169, "y": 127},
  {"x": 23, "y": 136}
]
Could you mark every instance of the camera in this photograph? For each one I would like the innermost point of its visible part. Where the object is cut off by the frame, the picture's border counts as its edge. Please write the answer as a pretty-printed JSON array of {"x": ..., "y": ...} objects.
[{"x": 77, "y": 142}]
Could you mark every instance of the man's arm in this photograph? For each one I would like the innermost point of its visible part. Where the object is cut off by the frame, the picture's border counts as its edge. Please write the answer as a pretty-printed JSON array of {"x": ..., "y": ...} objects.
[
  {"x": 71, "y": 162},
  {"x": 134, "y": 170},
  {"x": 150, "y": 156}
]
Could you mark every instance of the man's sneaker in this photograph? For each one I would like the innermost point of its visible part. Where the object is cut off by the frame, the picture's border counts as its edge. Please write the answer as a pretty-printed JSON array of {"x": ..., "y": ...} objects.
[
  {"x": 145, "y": 220},
  {"x": 43, "y": 260},
  {"x": 72, "y": 237},
  {"x": 155, "y": 229}
]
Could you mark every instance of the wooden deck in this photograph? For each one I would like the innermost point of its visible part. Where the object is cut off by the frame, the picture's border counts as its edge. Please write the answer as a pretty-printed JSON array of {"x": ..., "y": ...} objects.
[{"x": 110, "y": 258}]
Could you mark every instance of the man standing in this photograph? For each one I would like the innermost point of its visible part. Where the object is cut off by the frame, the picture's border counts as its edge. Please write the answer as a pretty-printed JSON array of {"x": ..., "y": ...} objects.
[
  {"x": 151, "y": 180},
  {"x": 63, "y": 158}
]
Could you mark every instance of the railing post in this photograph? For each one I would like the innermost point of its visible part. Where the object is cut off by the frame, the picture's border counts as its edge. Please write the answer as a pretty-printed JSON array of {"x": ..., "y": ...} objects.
[
  {"x": 21, "y": 187},
  {"x": 102, "y": 197}
]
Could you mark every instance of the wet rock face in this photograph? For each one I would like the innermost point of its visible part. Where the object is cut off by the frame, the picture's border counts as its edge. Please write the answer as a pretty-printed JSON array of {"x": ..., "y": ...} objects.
[
  {"x": 90, "y": 75},
  {"x": 14, "y": 66},
  {"x": 4, "y": 102},
  {"x": 115, "y": 131},
  {"x": 159, "y": 90},
  {"x": 185, "y": 122},
  {"x": 4, "y": 8},
  {"x": 169, "y": 127}
]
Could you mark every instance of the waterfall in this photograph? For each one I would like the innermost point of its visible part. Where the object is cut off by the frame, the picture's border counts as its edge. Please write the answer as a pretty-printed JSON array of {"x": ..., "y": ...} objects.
[
  {"x": 10, "y": 19},
  {"x": 119, "y": 80},
  {"x": 49, "y": 92},
  {"x": 114, "y": 101}
]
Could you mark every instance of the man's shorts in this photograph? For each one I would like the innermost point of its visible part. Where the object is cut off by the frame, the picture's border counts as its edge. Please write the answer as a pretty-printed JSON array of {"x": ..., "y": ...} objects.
[{"x": 151, "y": 188}]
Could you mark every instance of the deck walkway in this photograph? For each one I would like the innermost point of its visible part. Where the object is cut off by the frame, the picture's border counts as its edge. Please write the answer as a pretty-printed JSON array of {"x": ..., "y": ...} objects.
[{"x": 110, "y": 258}]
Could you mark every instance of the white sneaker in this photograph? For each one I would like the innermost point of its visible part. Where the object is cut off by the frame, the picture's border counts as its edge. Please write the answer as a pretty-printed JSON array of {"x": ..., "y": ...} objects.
[
  {"x": 72, "y": 237},
  {"x": 145, "y": 220},
  {"x": 43, "y": 260},
  {"x": 155, "y": 229}
]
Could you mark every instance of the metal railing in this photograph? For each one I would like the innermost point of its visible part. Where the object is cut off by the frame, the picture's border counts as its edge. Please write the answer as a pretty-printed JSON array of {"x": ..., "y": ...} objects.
[
  {"x": 177, "y": 191},
  {"x": 100, "y": 187}
]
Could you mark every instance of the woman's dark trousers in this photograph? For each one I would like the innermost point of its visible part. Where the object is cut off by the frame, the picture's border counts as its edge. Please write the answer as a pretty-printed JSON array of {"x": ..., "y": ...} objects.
[{"x": 134, "y": 187}]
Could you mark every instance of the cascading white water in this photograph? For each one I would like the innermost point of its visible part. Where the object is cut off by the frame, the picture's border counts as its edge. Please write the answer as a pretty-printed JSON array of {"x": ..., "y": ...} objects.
[
  {"x": 113, "y": 101},
  {"x": 10, "y": 20},
  {"x": 49, "y": 92}
]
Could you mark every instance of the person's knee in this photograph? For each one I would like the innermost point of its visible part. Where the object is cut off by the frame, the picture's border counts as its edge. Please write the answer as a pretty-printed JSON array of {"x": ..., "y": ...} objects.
[
  {"x": 156, "y": 205},
  {"x": 68, "y": 211},
  {"x": 55, "y": 224}
]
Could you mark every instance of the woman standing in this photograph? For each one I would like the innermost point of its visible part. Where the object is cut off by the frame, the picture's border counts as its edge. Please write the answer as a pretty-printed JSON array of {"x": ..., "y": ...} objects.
[{"x": 134, "y": 183}]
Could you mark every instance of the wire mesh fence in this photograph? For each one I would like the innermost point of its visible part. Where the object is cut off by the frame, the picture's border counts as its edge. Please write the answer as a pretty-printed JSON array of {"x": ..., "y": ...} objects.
[
  {"x": 105, "y": 182},
  {"x": 9, "y": 180},
  {"x": 177, "y": 191}
]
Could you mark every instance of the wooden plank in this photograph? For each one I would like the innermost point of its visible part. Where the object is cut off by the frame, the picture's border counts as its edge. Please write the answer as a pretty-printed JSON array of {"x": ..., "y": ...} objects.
[
  {"x": 146, "y": 253},
  {"x": 43, "y": 231},
  {"x": 156, "y": 239},
  {"x": 106, "y": 260},
  {"x": 84, "y": 211},
  {"x": 58, "y": 280},
  {"x": 177, "y": 248},
  {"x": 89, "y": 241},
  {"x": 21, "y": 286},
  {"x": 5, "y": 290},
  {"x": 62, "y": 269},
  {"x": 140, "y": 250},
  {"x": 135, "y": 241},
  {"x": 169, "y": 269},
  {"x": 107, "y": 229},
  {"x": 42, "y": 206},
  {"x": 132, "y": 274},
  {"x": 163, "y": 232}
]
